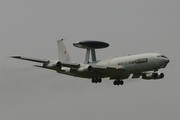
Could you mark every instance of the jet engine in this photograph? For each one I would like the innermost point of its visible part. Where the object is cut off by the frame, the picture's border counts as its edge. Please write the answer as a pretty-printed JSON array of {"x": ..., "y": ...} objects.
[
  {"x": 52, "y": 64},
  {"x": 155, "y": 75},
  {"x": 85, "y": 69},
  {"x": 58, "y": 64},
  {"x": 160, "y": 75}
]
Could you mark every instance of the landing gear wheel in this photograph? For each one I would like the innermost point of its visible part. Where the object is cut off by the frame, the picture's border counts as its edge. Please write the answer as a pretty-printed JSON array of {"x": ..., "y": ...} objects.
[
  {"x": 96, "y": 80},
  {"x": 115, "y": 82},
  {"x": 118, "y": 82},
  {"x": 93, "y": 80},
  {"x": 121, "y": 82},
  {"x": 99, "y": 80}
]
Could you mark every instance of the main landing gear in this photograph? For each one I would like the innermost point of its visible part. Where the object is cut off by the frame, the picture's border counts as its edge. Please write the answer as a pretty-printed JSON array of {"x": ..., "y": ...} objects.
[
  {"x": 96, "y": 80},
  {"x": 118, "y": 82}
]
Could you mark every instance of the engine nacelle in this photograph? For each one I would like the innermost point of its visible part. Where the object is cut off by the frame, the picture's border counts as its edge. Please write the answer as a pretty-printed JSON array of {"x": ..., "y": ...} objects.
[
  {"x": 160, "y": 75},
  {"x": 85, "y": 69},
  {"x": 58, "y": 64},
  {"x": 156, "y": 75},
  {"x": 53, "y": 65}
]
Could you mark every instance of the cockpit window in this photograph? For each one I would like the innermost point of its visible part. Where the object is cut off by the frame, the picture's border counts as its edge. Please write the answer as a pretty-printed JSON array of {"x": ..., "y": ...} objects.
[{"x": 162, "y": 56}]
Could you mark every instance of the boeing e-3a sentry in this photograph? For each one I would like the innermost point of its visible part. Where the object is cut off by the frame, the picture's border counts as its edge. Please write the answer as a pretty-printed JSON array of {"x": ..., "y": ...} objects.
[{"x": 118, "y": 69}]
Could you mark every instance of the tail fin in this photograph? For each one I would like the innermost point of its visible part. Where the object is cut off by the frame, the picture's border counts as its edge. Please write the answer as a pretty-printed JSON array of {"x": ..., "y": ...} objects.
[{"x": 62, "y": 51}]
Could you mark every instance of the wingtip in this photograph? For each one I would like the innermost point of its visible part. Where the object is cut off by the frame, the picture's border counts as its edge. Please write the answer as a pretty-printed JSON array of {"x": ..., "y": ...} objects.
[{"x": 15, "y": 56}]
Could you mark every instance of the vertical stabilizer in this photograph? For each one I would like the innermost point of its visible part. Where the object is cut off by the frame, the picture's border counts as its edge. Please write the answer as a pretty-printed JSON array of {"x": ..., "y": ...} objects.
[{"x": 62, "y": 51}]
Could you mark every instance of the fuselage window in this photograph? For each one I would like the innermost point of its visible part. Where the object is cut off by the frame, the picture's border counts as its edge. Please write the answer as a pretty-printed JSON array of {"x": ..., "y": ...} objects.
[
  {"x": 141, "y": 60},
  {"x": 120, "y": 63},
  {"x": 126, "y": 63}
]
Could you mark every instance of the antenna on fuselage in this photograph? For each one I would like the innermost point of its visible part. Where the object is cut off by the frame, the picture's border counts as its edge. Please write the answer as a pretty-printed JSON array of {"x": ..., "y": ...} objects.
[{"x": 90, "y": 46}]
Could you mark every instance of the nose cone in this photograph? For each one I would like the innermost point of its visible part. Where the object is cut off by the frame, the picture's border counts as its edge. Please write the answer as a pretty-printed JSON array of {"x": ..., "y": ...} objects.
[{"x": 166, "y": 61}]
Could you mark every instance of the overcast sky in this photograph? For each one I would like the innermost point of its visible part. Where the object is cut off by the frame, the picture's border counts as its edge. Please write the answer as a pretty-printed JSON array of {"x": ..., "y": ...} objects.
[{"x": 31, "y": 28}]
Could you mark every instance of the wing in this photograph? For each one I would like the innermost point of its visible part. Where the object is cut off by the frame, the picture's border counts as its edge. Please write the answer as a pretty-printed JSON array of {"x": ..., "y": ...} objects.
[
  {"x": 50, "y": 64},
  {"x": 31, "y": 59},
  {"x": 108, "y": 71},
  {"x": 104, "y": 69}
]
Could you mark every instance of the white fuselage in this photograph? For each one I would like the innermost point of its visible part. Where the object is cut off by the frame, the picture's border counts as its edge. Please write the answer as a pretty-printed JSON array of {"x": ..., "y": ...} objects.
[{"x": 131, "y": 64}]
